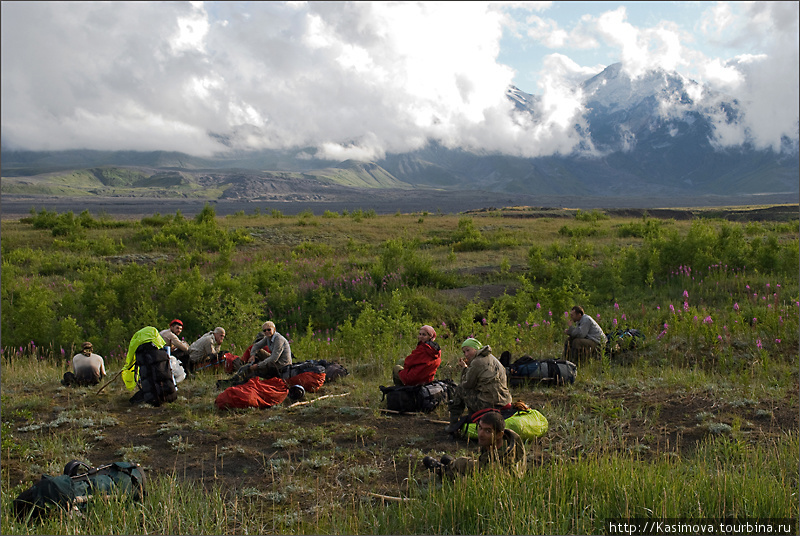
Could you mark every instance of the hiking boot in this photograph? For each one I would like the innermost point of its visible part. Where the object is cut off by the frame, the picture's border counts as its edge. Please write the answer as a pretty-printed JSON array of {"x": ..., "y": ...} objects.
[
  {"x": 431, "y": 463},
  {"x": 452, "y": 428}
]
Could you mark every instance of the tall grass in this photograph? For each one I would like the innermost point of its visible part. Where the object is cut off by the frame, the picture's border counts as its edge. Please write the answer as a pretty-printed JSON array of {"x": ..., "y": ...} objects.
[{"x": 727, "y": 478}]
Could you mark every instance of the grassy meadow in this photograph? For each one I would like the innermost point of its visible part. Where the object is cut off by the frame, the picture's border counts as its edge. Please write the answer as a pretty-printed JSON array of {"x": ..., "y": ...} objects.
[{"x": 698, "y": 421}]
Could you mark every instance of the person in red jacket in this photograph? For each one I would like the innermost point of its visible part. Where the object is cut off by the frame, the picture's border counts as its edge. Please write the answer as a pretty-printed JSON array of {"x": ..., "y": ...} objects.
[{"x": 420, "y": 366}]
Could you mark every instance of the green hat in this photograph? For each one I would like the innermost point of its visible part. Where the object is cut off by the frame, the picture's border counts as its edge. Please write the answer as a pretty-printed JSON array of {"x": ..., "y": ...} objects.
[{"x": 472, "y": 343}]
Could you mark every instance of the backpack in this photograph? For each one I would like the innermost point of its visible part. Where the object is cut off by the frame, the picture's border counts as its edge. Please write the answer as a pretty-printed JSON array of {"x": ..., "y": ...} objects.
[
  {"x": 528, "y": 424},
  {"x": 415, "y": 398},
  {"x": 79, "y": 483},
  {"x": 157, "y": 384},
  {"x": 621, "y": 340},
  {"x": 553, "y": 371},
  {"x": 303, "y": 366}
]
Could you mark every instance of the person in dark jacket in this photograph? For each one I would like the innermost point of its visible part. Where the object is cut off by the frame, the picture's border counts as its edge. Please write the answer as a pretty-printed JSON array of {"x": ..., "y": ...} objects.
[{"x": 420, "y": 365}]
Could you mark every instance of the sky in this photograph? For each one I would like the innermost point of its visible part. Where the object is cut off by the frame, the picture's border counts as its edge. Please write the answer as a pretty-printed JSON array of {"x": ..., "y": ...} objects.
[{"x": 359, "y": 80}]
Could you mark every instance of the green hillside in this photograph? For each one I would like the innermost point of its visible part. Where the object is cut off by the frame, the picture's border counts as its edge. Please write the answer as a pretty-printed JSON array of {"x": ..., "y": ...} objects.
[{"x": 358, "y": 175}]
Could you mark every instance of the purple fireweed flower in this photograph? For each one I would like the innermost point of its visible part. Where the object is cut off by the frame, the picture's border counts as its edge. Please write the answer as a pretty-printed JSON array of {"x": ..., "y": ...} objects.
[
  {"x": 624, "y": 317},
  {"x": 616, "y": 306},
  {"x": 685, "y": 306},
  {"x": 614, "y": 321},
  {"x": 778, "y": 341},
  {"x": 685, "y": 293},
  {"x": 719, "y": 337},
  {"x": 758, "y": 343},
  {"x": 598, "y": 316},
  {"x": 755, "y": 320},
  {"x": 736, "y": 306},
  {"x": 671, "y": 308},
  {"x": 538, "y": 305},
  {"x": 550, "y": 313},
  {"x": 707, "y": 320}
]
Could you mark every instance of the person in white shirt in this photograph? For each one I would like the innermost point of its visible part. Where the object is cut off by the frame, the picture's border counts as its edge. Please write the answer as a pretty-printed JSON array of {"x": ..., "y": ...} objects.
[{"x": 584, "y": 336}]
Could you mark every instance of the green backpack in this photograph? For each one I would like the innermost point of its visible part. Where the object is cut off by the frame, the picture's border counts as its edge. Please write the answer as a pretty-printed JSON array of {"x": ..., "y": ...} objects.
[
  {"x": 78, "y": 483},
  {"x": 528, "y": 424}
]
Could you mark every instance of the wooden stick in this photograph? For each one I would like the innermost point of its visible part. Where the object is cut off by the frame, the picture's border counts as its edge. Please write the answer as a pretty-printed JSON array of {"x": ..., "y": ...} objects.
[
  {"x": 434, "y": 421},
  {"x": 393, "y": 412},
  {"x": 109, "y": 382},
  {"x": 319, "y": 398},
  {"x": 389, "y": 498}
]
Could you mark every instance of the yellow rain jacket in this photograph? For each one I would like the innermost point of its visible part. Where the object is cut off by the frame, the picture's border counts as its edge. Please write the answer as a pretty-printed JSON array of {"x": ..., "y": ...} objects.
[{"x": 130, "y": 372}]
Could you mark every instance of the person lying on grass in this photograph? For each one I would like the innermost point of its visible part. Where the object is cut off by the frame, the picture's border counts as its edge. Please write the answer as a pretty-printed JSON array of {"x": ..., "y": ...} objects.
[
  {"x": 483, "y": 383},
  {"x": 498, "y": 446},
  {"x": 420, "y": 365}
]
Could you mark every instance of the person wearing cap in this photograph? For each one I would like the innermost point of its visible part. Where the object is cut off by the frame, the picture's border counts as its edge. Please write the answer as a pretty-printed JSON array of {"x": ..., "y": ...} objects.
[
  {"x": 584, "y": 336},
  {"x": 483, "y": 383},
  {"x": 89, "y": 368},
  {"x": 420, "y": 366},
  {"x": 499, "y": 446},
  {"x": 206, "y": 347},
  {"x": 177, "y": 347}
]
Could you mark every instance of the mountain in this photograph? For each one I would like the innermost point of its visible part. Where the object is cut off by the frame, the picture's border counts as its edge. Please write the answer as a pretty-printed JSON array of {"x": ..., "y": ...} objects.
[{"x": 652, "y": 135}]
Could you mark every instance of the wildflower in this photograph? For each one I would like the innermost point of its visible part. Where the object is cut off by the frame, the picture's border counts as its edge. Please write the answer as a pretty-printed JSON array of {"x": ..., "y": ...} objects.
[
  {"x": 550, "y": 313},
  {"x": 719, "y": 337},
  {"x": 614, "y": 322},
  {"x": 736, "y": 306},
  {"x": 616, "y": 306},
  {"x": 685, "y": 293},
  {"x": 598, "y": 316},
  {"x": 758, "y": 343},
  {"x": 671, "y": 308},
  {"x": 755, "y": 320},
  {"x": 707, "y": 320},
  {"x": 778, "y": 341},
  {"x": 685, "y": 306},
  {"x": 538, "y": 305}
]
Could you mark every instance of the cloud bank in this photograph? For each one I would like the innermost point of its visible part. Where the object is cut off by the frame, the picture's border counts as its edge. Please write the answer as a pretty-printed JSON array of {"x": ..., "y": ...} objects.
[{"x": 352, "y": 80}]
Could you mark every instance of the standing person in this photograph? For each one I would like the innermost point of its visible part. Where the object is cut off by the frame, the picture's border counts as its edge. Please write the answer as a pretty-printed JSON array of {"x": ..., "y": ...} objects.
[
  {"x": 270, "y": 356},
  {"x": 206, "y": 348},
  {"x": 584, "y": 336},
  {"x": 483, "y": 383},
  {"x": 420, "y": 365},
  {"x": 498, "y": 445},
  {"x": 89, "y": 368}
]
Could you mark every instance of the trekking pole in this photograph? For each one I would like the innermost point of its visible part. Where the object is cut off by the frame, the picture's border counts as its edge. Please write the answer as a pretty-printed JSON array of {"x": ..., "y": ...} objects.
[
  {"x": 212, "y": 364},
  {"x": 109, "y": 382}
]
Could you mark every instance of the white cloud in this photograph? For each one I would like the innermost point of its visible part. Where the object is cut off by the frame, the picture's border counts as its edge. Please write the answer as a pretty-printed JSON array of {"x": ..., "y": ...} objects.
[{"x": 349, "y": 79}]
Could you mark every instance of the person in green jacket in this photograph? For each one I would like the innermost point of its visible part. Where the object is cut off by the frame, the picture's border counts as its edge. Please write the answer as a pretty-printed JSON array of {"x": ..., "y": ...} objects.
[{"x": 483, "y": 383}]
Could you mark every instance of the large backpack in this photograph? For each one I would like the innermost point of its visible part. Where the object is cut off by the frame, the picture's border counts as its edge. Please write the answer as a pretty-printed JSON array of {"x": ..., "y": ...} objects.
[
  {"x": 156, "y": 382},
  {"x": 416, "y": 398},
  {"x": 551, "y": 371},
  {"x": 79, "y": 483}
]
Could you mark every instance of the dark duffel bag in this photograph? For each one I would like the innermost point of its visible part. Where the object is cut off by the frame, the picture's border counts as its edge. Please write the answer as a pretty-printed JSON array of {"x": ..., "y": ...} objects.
[
  {"x": 418, "y": 398},
  {"x": 554, "y": 371}
]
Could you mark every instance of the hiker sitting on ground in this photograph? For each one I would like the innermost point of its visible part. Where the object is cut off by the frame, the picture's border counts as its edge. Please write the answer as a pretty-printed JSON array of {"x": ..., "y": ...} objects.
[
  {"x": 420, "y": 365},
  {"x": 177, "y": 347},
  {"x": 269, "y": 358},
  {"x": 483, "y": 383},
  {"x": 88, "y": 368},
  {"x": 206, "y": 348},
  {"x": 584, "y": 335},
  {"x": 498, "y": 446}
]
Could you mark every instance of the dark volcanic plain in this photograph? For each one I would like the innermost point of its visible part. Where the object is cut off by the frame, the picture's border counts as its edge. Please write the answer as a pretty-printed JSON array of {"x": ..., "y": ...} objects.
[{"x": 381, "y": 201}]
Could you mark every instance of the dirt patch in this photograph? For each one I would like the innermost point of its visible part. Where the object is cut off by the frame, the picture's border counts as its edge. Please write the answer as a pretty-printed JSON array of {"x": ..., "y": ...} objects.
[{"x": 327, "y": 444}]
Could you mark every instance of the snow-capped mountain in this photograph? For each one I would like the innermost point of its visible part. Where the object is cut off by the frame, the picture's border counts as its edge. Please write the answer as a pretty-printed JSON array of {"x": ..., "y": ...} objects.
[{"x": 656, "y": 133}]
